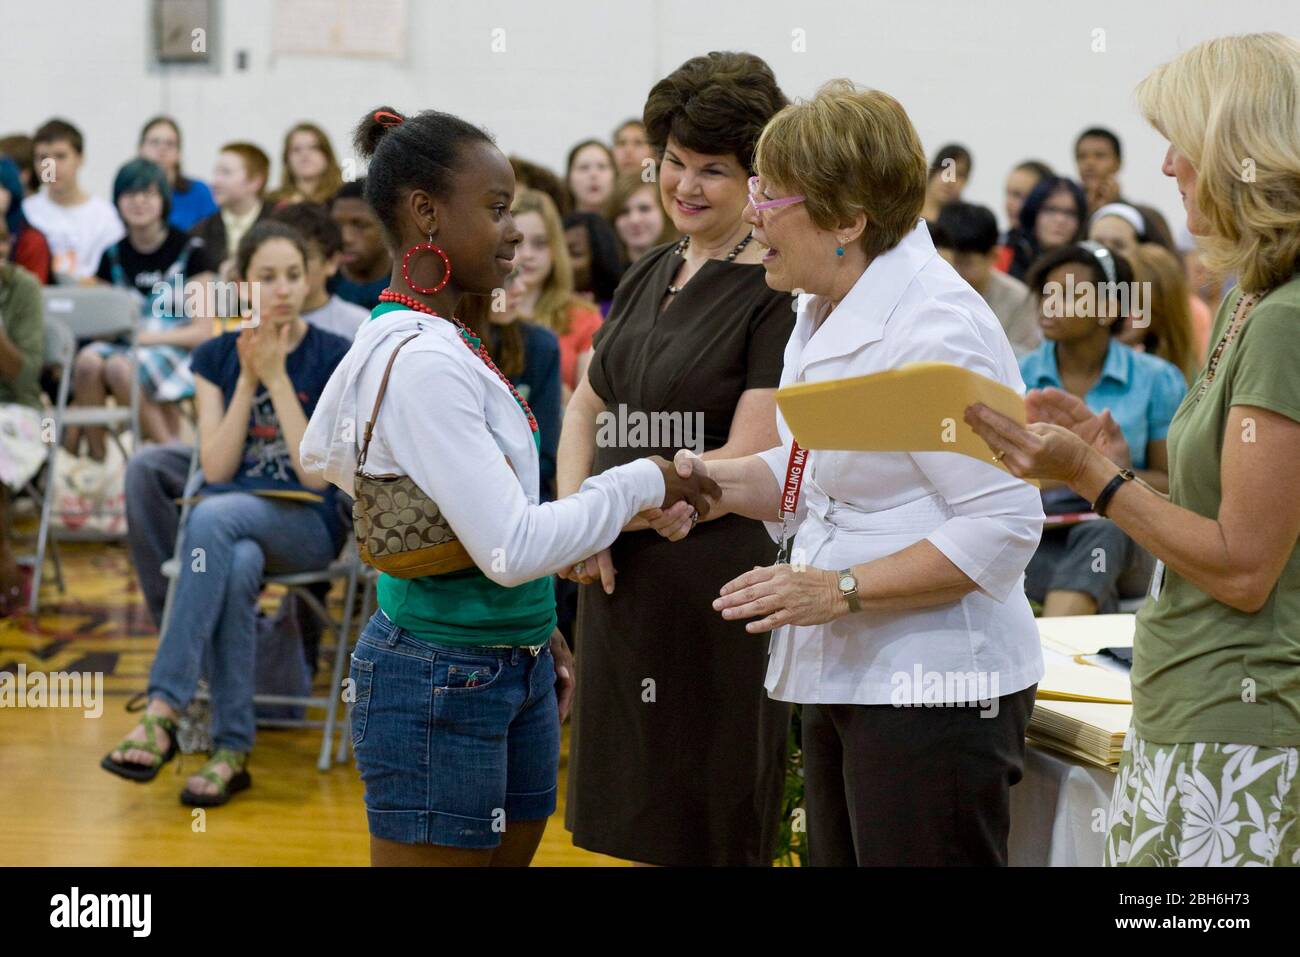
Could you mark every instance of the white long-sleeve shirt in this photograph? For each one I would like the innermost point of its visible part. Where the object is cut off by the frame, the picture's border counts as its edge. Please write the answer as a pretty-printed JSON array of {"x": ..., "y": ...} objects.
[
  {"x": 450, "y": 423},
  {"x": 909, "y": 306}
]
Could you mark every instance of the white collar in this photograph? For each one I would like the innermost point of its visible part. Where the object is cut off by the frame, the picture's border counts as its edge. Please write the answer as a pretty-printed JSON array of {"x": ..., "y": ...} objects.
[{"x": 861, "y": 315}]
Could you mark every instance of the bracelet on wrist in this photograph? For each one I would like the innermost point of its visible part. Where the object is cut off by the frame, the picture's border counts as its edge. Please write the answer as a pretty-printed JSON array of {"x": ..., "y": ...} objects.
[{"x": 1103, "y": 500}]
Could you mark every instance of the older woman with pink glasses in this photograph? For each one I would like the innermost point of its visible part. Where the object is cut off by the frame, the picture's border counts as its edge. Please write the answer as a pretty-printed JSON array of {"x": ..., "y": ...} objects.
[{"x": 896, "y": 606}]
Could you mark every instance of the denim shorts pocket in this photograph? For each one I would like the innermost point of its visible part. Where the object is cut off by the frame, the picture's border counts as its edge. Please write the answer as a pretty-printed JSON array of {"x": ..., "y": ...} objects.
[
  {"x": 362, "y": 676},
  {"x": 464, "y": 674}
]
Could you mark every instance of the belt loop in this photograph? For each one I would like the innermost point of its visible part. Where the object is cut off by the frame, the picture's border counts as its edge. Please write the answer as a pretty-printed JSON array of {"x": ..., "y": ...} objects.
[{"x": 394, "y": 634}]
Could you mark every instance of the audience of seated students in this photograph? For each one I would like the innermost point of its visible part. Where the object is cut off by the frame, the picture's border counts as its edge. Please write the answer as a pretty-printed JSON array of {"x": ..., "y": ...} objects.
[
  {"x": 192, "y": 202},
  {"x": 530, "y": 175},
  {"x": 148, "y": 261},
  {"x": 597, "y": 263},
  {"x": 949, "y": 172},
  {"x": 973, "y": 231},
  {"x": 324, "y": 241},
  {"x": 1054, "y": 215},
  {"x": 1020, "y": 183},
  {"x": 545, "y": 291},
  {"x": 364, "y": 266},
  {"x": 1098, "y": 156},
  {"x": 238, "y": 186},
  {"x": 77, "y": 226},
  {"x": 632, "y": 149},
  {"x": 589, "y": 175},
  {"x": 256, "y": 389},
  {"x": 637, "y": 214},
  {"x": 1086, "y": 567},
  {"x": 1164, "y": 324},
  {"x": 22, "y": 445},
  {"x": 27, "y": 245},
  {"x": 309, "y": 173}
]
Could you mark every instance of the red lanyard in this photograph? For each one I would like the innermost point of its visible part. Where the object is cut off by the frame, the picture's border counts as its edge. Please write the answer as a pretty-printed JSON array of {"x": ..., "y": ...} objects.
[{"x": 795, "y": 470}]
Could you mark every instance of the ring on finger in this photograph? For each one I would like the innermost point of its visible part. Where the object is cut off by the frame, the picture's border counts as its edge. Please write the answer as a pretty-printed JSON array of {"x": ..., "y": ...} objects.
[{"x": 580, "y": 568}]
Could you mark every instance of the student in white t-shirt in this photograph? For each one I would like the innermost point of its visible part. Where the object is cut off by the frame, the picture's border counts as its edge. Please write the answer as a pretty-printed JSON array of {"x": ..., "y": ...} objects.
[
  {"x": 324, "y": 241},
  {"x": 78, "y": 226}
]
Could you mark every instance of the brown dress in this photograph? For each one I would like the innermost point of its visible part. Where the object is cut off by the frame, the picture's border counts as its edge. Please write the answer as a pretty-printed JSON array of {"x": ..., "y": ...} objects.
[{"x": 677, "y": 754}]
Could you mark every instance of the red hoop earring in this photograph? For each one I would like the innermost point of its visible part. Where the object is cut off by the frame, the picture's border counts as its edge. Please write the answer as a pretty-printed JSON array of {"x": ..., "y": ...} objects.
[{"x": 406, "y": 267}]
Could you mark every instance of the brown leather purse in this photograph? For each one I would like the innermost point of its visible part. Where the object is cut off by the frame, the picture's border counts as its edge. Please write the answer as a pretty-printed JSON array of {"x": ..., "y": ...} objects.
[{"x": 399, "y": 529}]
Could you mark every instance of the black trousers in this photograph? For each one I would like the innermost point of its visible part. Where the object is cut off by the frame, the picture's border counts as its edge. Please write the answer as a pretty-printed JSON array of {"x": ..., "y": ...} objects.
[{"x": 927, "y": 786}]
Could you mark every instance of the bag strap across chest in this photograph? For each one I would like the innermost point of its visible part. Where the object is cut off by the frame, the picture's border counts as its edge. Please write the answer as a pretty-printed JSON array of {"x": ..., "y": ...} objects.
[{"x": 379, "y": 398}]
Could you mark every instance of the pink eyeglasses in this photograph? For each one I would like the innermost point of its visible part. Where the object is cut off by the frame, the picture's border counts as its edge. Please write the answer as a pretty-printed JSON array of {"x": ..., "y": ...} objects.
[{"x": 759, "y": 205}]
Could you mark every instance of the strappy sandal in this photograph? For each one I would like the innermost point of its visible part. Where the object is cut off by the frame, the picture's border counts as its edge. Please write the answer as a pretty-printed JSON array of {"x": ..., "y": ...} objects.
[
  {"x": 144, "y": 772},
  {"x": 239, "y": 781}
]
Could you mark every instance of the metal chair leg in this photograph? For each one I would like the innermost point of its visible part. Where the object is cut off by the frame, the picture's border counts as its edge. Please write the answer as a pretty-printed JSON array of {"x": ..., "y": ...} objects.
[{"x": 340, "y": 654}]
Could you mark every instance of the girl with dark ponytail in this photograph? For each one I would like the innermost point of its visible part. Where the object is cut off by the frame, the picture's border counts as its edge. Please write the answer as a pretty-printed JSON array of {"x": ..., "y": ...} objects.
[{"x": 461, "y": 679}]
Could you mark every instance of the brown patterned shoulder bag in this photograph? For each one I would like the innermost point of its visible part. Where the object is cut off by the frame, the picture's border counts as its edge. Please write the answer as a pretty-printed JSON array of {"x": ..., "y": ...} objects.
[{"x": 399, "y": 529}]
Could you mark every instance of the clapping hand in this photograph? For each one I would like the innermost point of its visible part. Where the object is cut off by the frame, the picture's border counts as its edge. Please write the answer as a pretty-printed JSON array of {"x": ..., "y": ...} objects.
[
  {"x": 1059, "y": 407},
  {"x": 262, "y": 351}
]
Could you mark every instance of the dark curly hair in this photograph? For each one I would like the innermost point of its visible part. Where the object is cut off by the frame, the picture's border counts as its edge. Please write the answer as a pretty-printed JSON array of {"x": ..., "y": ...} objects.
[
  {"x": 418, "y": 152},
  {"x": 717, "y": 103}
]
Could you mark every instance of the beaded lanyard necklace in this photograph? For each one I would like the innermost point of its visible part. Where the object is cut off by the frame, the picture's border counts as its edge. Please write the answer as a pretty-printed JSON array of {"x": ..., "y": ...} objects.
[
  {"x": 389, "y": 295},
  {"x": 1246, "y": 301}
]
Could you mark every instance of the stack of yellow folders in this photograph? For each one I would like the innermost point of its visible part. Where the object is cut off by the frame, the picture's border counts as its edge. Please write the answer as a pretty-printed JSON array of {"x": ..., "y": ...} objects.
[{"x": 1083, "y": 709}]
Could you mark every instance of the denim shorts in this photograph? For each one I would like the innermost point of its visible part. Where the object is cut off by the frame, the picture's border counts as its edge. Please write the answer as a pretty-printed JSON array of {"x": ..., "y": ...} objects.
[{"x": 453, "y": 741}]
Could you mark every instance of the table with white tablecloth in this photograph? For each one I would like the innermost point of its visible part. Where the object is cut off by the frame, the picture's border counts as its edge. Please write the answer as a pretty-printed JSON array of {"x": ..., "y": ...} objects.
[{"x": 1058, "y": 810}]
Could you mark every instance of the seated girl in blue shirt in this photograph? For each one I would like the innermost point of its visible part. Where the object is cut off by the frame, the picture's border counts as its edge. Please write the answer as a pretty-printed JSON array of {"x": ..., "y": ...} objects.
[
  {"x": 258, "y": 513},
  {"x": 1085, "y": 292}
]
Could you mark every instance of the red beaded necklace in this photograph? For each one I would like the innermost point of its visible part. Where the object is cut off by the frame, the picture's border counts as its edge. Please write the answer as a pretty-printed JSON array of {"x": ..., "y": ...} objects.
[{"x": 389, "y": 295}]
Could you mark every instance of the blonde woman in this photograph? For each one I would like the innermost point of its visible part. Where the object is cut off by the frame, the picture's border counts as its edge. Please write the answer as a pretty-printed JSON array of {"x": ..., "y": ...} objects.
[
  {"x": 309, "y": 171},
  {"x": 545, "y": 285},
  {"x": 637, "y": 214},
  {"x": 1210, "y": 766}
]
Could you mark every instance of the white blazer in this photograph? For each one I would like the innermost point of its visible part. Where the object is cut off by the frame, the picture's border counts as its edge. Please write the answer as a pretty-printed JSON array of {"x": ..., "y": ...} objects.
[
  {"x": 909, "y": 306},
  {"x": 452, "y": 425}
]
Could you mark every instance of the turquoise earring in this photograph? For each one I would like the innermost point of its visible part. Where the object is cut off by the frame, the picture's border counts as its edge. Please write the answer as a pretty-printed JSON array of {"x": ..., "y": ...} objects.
[{"x": 839, "y": 250}]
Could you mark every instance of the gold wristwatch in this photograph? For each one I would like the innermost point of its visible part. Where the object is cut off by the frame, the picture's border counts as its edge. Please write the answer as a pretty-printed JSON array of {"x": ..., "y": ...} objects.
[{"x": 849, "y": 589}]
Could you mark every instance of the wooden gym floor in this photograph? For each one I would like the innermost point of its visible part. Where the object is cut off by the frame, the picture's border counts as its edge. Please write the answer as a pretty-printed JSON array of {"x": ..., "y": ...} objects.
[{"x": 57, "y": 807}]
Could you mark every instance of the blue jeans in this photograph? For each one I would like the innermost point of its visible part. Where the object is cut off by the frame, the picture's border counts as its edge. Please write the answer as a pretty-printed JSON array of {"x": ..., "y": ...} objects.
[
  {"x": 230, "y": 540},
  {"x": 454, "y": 742}
]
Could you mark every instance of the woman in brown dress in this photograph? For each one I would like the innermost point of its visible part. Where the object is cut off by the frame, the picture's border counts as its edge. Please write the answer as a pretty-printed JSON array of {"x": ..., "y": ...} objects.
[{"x": 677, "y": 754}]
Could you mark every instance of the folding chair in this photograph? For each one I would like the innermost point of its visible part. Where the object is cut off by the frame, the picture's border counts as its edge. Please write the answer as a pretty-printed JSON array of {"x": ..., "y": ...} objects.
[
  {"x": 60, "y": 351},
  {"x": 98, "y": 312},
  {"x": 346, "y": 567}
]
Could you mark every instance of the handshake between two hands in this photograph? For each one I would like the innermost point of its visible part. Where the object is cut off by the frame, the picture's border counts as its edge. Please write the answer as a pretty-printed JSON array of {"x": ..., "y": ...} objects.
[{"x": 689, "y": 495}]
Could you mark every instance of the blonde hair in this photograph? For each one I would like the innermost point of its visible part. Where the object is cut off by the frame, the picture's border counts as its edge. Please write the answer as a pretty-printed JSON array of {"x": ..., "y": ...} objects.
[
  {"x": 849, "y": 151},
  {"x": 1168, "y": 308},
  {"x": 555, "y": 302},
  {"x": 1231, "y": 105}
]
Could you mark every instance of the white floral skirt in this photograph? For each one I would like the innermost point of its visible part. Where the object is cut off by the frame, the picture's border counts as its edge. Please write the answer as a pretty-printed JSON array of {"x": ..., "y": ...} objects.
[{"x": 1204, "y": 805}]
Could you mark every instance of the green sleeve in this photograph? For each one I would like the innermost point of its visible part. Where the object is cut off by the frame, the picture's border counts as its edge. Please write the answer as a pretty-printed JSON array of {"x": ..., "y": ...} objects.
[
  {"x": 1268, "y": 356},
  {"x": 25, "y": 327}
]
